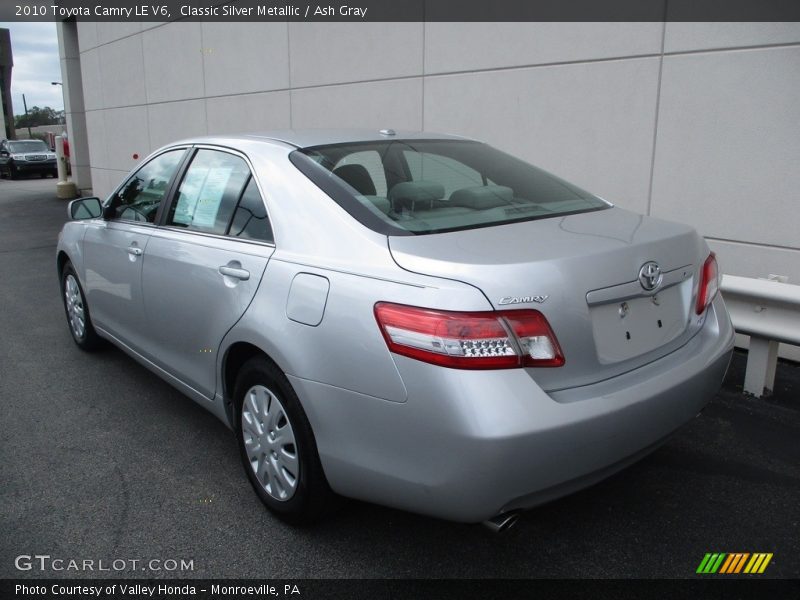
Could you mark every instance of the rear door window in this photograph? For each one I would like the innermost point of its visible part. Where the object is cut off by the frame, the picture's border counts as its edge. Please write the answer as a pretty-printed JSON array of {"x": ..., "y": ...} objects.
[
  {"x": 209, "y": 192},
  {"x": 250, "y": 221},
  {"x": 218, "y": 194}
]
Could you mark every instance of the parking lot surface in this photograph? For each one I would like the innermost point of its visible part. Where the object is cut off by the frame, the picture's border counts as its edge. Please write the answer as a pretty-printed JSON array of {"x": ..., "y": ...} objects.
[{"x": 101, "y": 460}]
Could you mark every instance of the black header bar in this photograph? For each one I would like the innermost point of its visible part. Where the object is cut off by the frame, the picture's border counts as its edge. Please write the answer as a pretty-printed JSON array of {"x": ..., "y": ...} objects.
[
  {"x": 401, "y": 10},
  {"x": 710, "y": 588}
]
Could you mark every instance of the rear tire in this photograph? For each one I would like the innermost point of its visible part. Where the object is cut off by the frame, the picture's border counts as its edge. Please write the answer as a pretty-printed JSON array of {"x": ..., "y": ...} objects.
[
  {"x": 78, "y": 319},
  {"x": 277, "y": 445}
]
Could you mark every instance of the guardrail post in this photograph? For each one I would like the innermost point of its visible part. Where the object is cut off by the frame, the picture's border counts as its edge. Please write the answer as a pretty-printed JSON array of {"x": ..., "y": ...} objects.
[
  {"x": 762, "y": 360},
  {"x": 769, "y": 312}
]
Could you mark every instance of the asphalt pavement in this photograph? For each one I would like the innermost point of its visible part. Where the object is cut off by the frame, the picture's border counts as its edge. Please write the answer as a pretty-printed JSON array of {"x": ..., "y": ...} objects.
[{"x": 101, "y": 460}]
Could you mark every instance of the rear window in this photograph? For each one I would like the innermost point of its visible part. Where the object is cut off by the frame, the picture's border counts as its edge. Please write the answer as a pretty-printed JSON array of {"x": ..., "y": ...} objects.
[{"x": 401, "y": 187}]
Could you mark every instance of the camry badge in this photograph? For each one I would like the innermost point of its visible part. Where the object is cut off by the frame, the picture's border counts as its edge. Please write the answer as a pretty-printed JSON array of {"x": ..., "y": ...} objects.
[
  {"x": 650, "y": 275},
  {"x": 521, "y": 299}
]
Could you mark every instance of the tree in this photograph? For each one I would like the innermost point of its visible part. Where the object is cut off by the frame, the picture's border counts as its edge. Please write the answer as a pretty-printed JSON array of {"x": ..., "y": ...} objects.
[{"x": 38, "y": 116}]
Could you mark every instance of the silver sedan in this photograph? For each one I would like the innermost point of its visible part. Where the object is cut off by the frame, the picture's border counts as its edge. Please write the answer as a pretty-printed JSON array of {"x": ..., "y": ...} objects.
[{"x": 416, "y": 320}]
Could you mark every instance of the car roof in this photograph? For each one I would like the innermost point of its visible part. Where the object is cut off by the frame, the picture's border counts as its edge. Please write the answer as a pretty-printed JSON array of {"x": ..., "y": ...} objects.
[{"x": 304, "y": 138}]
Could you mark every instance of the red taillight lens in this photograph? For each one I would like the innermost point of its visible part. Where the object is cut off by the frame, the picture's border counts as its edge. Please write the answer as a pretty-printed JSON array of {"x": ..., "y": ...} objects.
[
  {"x": 536, "y": 339},
  {"x": 709, "y": 283},
  {"x": 470, "y": 340}
]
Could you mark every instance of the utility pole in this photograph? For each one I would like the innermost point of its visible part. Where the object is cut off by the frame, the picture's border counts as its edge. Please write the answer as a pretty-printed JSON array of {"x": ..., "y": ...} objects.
[{"x": 25, "y": 104}]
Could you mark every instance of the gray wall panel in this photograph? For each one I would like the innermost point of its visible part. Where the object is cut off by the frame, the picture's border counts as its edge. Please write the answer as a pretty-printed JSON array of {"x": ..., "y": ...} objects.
[
  {"x": 87, "y": 35},
  {"x": 106, "y": 181},
  {"x": 93, "y": 82},
  {"x": 324, "y": 53},
  {"x": 173, "y": 62},
  {"x": 96, "y": 133},
  {"x": 728, "y": 145},
  {"x": 472, "y": 46},
  {"x": 589, "y": 123},
  {"x": 395, "y": 104},
  {"x": 115, "y": 30},
  {"x": 239, "y": 58},
  {"x": 171, "y": 121},
  {"x": 249, "y": 112},
  {"x": 683, "y": 37},
  {"x": 122, "y": 73},
  {"x": 126, "y": 133}
]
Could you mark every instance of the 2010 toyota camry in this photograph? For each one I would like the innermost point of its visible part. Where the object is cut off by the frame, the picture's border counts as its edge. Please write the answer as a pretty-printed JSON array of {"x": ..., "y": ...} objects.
[{"x": 416, "y": 320}]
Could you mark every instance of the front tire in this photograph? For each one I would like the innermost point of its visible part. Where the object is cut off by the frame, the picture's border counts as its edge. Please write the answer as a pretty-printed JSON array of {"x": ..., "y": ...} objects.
[
  {"x": 78, "y": 319},
  {"x": 277, "y": 445}
]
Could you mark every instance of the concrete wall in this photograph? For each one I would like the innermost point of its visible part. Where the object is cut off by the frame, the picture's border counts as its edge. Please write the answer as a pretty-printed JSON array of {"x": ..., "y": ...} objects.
[
  {"x": 22, "y": 133},
  {"x": 74, "y": 109},
  {"x": 694, "y": 122}
]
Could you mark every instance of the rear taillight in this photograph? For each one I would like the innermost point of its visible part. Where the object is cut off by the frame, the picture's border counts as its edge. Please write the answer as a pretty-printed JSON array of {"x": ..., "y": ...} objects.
[
  {"x": 709, "y": 283},
  {"x": 470, "y": 340}
]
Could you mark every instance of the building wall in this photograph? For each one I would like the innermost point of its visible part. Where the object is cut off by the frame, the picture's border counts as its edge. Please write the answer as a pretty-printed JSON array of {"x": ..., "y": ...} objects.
[
  {"x": 22, "y": 133},
  {"x": 74, "y": 111},
  {"x": 694, "y": 122}
]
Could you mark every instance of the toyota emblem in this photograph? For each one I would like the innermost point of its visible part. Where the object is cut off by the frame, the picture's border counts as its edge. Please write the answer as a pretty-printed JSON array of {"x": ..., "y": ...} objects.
[{"x": 650, "y": 275}]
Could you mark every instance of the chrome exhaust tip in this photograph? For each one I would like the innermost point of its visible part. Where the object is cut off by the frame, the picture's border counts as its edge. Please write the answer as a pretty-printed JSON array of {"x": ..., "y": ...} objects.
[{"x": 503, "y": 522}]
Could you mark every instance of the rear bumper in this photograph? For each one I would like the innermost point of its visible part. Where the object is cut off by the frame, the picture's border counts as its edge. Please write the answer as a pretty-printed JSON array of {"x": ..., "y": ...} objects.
[{"x": 468, "y": 445}]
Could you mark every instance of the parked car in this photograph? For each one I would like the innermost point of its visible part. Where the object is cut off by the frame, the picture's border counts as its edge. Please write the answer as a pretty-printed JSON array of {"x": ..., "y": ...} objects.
[
  {"x": 415, "y": 320},
  {"x": 26, "y": 156}
]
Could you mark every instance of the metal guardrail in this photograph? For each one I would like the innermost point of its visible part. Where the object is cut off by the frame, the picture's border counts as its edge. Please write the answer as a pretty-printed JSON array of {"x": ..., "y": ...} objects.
[{"x": 769, "y": 312}]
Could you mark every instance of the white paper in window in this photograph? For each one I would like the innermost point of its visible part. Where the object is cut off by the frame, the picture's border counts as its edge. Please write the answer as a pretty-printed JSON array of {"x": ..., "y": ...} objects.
[
  {"x": 210, "y": 198},
  {"x": 201, "y": 196},
  {"x": 190, "y": 191}
]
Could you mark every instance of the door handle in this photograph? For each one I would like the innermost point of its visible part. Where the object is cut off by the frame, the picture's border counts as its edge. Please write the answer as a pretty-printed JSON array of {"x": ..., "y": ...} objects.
[
  {"x": 134, "y": 251},
  {"x": 234, "y": 272}
]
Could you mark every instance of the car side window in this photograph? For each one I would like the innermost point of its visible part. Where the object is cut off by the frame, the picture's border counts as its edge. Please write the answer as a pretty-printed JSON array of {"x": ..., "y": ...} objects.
[
  {"x": 209, "y": 192},
  {"x": 142, "y": 194},
  {"x": 250, "y": 220}
]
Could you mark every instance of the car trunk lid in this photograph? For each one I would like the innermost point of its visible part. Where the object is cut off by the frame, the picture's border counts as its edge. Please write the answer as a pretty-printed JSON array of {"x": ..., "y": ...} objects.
[{"x": 582, "y": 271}]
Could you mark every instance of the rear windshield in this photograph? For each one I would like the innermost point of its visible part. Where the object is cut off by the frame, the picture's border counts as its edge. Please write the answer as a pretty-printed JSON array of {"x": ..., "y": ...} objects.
[{"x": 430, "y": 186}]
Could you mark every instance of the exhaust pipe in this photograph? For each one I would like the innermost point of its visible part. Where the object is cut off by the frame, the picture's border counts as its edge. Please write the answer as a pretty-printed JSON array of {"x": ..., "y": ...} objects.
[{"x": 503, "y": 522}]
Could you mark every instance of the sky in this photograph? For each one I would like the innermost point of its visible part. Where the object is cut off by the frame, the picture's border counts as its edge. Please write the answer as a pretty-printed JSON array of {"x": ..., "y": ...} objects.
[{"x": 36, "y": 65}]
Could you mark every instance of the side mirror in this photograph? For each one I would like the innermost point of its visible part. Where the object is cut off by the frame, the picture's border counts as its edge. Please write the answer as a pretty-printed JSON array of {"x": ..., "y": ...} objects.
[{"x": 84, "y": 208}]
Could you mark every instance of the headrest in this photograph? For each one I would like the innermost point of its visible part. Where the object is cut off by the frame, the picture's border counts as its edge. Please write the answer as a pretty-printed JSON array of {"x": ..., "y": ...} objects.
[
  {"x": 358, "y": 177},
  {"x": 415, "y": 195},
  {"x": 482, "y": 197}
]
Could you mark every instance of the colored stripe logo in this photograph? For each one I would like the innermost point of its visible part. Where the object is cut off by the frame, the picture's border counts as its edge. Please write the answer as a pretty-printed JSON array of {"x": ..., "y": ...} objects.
[{"x": 734, "y": 563}]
